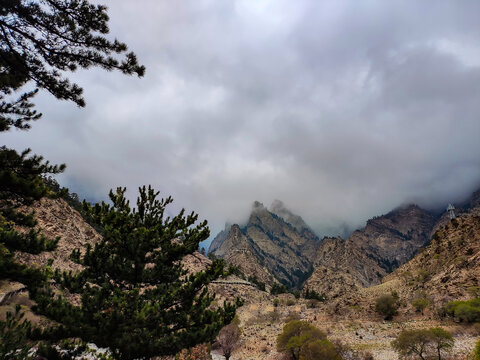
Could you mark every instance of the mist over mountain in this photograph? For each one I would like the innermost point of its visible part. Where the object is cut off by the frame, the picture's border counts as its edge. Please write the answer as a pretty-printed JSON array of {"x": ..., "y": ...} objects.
[{"x": 340, "y": 109}]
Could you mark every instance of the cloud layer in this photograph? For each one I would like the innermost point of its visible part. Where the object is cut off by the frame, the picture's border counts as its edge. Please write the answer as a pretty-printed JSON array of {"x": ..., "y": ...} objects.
[{"x": 342, "y": 109}]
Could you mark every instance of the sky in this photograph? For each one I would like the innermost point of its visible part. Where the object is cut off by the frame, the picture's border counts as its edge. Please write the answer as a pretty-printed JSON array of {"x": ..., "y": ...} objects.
[{"x": 342, "y": 109}]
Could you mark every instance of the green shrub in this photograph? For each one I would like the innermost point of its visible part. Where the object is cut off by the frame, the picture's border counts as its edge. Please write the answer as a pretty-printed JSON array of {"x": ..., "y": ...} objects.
[
  {"x": 423, "y": 343},
  {"x": 260, "y": 285},
  {"x": 303, "y": 341},
  {"x": 320, "y": 349},
  {"x": 466, "y": 311},
  {"x": 420, "y": 304},
  {"x": 387, "y": 306},
  {"x": 290, "y": 302},
  {"x": 312, "y": 294},
  {"x": 14, "y": 331},
  {"x": 278, "y": 289},
  {"x": 423, "y": 276}
]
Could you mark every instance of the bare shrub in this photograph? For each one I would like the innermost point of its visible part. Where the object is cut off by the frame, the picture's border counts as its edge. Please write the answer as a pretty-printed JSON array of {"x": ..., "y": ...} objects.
[{"x": 228, "y": 339}]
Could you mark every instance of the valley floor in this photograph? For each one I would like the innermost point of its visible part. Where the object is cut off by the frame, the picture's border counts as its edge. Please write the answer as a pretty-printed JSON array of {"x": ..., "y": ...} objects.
[{"x": 261, "y": 323}]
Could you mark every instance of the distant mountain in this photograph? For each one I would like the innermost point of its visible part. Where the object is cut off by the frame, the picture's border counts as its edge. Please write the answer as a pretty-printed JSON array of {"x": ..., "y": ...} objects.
[
  {"x": 220, "y": 238},
  {"x": 279, "y": 209},
  {"x": 274, "y": 246},
  {"x": 450, "y": 265},
  {"x": 364, "y": 258}
]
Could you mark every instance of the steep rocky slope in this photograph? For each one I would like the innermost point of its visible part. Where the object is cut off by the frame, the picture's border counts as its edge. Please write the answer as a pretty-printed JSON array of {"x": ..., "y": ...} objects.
[
  {"x": 58, "y": 219},
  {"x": 449, "y": 266},
  {"x": 240, "y": 251},
  {"x": 369, "y": 254},
  {"x": 220, "y": 238},
  {"x": 269, "y": 247}
]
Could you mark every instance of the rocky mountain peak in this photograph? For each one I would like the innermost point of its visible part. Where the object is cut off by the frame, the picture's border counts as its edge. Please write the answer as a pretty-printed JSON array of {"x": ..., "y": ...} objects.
[
  {"x": 258, "y": 206},
  {"x": 278, "y": 208},
  {"x": 366, "y": 256},
  {"x": 284, "y": 249}
]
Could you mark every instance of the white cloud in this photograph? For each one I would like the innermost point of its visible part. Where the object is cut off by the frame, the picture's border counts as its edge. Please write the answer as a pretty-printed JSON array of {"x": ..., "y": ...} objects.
[{"x": 342, "y": 109}]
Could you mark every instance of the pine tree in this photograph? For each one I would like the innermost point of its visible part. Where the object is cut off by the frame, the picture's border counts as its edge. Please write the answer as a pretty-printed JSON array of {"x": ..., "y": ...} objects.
[
  {"x": 137, "y": 299},
  {"x": 21, "y": 184},
  {"x": 14, "y": 333},
  {"x": 40, "y": 41}
]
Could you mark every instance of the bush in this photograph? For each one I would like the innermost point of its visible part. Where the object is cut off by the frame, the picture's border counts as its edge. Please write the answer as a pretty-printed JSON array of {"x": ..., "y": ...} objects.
[
  {"x": 420, "y": 304},
  {"x": 465, "y": 311},
  {"x": 312, "y": 294},
  {"x": 474, "y": 291},
  {"x": 260, "y": 285},
  {"x": 278, "y": 289},
  {"x": 423, "y": 276},
  {"x": 228, "y": 339},
  {"x": 235, "y": 270},
  {"x": 14, "y": 331},
  {"x": 290, "y": 302},
  {"x": 387, "y": 306},
  {"x": 303, "y": 341},
  {"x": 423, "y": 343},
  {"x": 320, "y": 349}
]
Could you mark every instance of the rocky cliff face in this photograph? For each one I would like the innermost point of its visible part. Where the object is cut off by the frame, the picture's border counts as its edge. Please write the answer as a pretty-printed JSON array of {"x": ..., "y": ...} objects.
[
  {"x": 219, "y": 239},
  {"x": 369, "y": 254},
  {"x": 269, "y": 247},
  {"x": 58, "y": 219},
  {"x": 449, "y": 265}
]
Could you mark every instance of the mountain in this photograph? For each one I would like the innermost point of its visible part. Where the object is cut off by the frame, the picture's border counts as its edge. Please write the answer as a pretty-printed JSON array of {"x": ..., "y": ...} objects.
[
  {"x": 219, "y": 239},
  {"x": 278, "y": 208},
  {"x": 450, "y": 265},
  {"x": 273, "y": 245},
  {"x": 366, "y": 256},
  {"x": 56, "y": 218}
]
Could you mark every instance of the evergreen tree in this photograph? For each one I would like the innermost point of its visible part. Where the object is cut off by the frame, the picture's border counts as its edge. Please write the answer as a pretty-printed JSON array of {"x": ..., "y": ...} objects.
[
  {"x": 40, "y": 41},
  {"x": 21, "y": 184},
  {"x": 136, "y": 298},
  {"x": 14, "y": 337}
]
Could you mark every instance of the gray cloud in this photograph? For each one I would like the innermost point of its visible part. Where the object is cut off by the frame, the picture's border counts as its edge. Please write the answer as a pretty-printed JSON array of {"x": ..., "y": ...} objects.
[{"x": 342, "y": 109}]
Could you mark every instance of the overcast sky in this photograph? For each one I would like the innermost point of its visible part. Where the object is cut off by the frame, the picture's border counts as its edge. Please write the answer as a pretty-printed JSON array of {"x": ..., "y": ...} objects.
[{"x": 342, "y": 109}]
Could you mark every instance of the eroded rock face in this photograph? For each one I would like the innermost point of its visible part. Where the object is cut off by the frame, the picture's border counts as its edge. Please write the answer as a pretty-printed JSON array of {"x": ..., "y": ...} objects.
[
  {"x": 362, "y": 260},
  {"x": 58, "y": 219},
  {"x": 449, "y": 266},
  {"x": 269, "y": 247},
  {"x": 219, "y": 239}
]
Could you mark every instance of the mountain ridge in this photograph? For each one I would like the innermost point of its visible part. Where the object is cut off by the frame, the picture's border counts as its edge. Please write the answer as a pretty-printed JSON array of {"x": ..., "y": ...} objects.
[{"x": 283, "y": 251}]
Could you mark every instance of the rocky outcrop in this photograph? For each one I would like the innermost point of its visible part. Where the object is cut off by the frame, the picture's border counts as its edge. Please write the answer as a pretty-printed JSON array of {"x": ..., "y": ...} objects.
[
  {"x": 278, "y": 208},
  {"x": 219, "y": 239},
  {"x": 369, "y": 254},
  {"x": 238, "y": 250},
  {"x": 449, "y": 267},
  {"x": 270, "y": 248},
  {"x": 56, "y": 218},
  {"x": 394, "y": 238}
]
